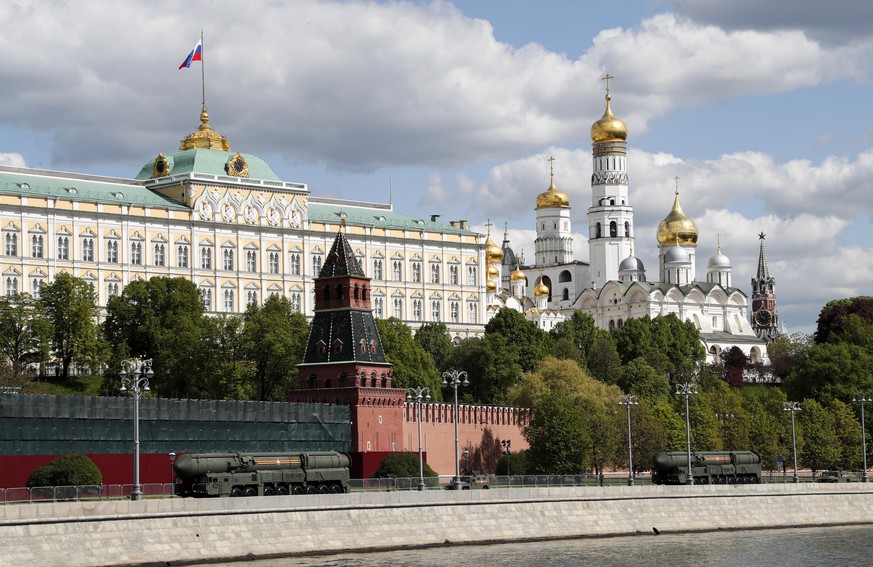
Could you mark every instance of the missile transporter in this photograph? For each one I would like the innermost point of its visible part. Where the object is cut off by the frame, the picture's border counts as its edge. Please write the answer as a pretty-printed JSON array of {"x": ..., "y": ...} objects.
[
  {"x": 714, "y": 467},
  {"x": 261, "y": 474}
]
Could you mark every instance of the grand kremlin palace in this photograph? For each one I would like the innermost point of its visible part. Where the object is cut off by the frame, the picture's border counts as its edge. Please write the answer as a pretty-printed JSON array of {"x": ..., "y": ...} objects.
[{"x": 227, "y": 222}]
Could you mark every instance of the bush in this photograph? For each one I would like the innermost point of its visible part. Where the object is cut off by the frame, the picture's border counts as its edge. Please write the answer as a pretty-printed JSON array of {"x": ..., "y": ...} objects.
[
  {"x": 518, "y": 464},
  {"x": 402, "y": 465},
  {"x": 69, "y": 470}
]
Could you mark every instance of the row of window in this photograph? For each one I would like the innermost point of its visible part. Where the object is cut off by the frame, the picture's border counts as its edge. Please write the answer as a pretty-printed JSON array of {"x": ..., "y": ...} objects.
[
  {"x": 416, "y": 267},
  {"x": 228, "y": 256},
  {"x": 613, "y": 230},
  {"x": 436, "y": 310}
]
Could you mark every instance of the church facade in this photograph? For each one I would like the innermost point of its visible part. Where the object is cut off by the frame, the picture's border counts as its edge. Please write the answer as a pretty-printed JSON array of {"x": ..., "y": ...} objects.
[{"x": 613, "y": 286}]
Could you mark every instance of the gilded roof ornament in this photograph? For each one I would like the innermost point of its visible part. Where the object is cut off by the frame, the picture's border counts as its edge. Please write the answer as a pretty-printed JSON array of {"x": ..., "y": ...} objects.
[
  {"x": 677, "y": 228},
  {"x": 608, "y": 128},
  {"x": 205, "y": 137},
  {"x": 552, "y": 197},
  {"x": 161, "y": 167}
]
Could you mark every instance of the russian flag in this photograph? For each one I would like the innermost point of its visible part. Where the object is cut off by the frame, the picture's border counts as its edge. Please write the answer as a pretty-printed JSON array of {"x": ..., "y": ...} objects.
[{"x": 195, "y": 55}]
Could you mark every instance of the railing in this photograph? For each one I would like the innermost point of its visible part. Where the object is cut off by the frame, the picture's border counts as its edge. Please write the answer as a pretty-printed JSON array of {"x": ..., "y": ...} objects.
[{"x": 165, "y": 490}]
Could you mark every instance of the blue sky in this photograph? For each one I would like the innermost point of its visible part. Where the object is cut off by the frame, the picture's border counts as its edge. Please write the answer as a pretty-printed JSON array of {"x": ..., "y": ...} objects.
[{"x": 760, "y": 108}]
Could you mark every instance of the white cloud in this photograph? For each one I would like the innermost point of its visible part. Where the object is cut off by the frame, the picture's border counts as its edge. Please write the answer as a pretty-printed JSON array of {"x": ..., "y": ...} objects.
[{"x": 12, "y": 159}]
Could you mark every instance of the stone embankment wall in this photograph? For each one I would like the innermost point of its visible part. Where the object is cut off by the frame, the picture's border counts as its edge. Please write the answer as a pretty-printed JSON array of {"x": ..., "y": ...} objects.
[{"x": 167, "y": 532}]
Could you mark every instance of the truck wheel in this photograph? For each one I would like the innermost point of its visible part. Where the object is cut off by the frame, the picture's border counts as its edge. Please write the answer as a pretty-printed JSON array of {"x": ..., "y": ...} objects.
[
  {"x": 236, "y": 491},
  {"x": 298, "y": 489},
  {"x": 269, "y": 491},
  {"x": 250, "y": 491},
  {"x": 282, "y": 490}
]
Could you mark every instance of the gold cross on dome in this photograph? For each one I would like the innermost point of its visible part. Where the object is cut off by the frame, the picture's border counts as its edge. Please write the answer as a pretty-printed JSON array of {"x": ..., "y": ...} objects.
[
  {"x": 677, "y": 184},
  {"x": 606, "y": 78},
  {"x": 551, "y": 166}
]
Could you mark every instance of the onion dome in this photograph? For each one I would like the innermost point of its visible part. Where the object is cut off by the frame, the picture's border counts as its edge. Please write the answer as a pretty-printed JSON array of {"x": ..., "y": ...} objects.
[
  {"x": 493, "y": 253},
  {"x": 608, "y": 128},
  {"x": 205, "y": 137},
  {"x": 677, "y": 228},
  {"x": 719, "y": 261},
  {"x": 490, "y": 286},
  {"x": 541, "y": 290},
  {"x": 492, "y": 270},
  {"x": 631, "y": 264},
  {"x": 677, "y": 255},
  {"x": 552, "y": 198},
  {"x": 517, "y": 274}
]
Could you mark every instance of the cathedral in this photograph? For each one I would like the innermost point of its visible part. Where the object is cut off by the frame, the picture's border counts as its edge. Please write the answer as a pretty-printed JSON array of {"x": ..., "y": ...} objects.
[{"x": 613, "y": 286}]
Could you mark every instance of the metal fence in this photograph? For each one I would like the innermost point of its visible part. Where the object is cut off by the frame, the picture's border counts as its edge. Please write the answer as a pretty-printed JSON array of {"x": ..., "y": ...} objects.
[{"x": 165, "y": 490}]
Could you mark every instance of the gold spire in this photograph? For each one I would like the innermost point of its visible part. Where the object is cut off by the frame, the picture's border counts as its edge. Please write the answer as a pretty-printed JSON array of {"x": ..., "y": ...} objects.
[
  {"x": 205, "y": 137},
  {"x": 608, "y": 128},
  {"x": 677, "y": 228},
  {"x": 552, "y": 197}
]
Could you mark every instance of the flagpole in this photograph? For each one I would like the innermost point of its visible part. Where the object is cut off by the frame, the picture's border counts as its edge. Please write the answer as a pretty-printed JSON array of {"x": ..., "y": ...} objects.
[{"x": 202, "y": 68}]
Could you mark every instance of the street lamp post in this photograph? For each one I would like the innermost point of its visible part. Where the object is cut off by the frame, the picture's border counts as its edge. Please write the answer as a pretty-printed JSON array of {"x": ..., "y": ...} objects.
[
  {"x": 687, "y": 389},
  {"x": 629, "y": 400},
  {"x": 863, "y": 399},
  {"x": 455, "y": 378},
  {"x": 793, "y": 407},
  {"x": 135, "y": 375},
  {"x": 172, "y": 474},
  {"x": 417, "y": 394},
  {"x": 506, "y": 445}
]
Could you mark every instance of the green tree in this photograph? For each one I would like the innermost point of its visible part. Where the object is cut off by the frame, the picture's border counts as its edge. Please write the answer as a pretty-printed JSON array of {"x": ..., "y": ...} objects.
[
  {"x": 666, "y": 343},
  {"x": 575, "y": 337},
  {"x": 402, "y": 465},
  {"x": 559, "y": 438},
  {"x": 434, "y": 338},
  {"x": 25, "y": 333},
  {"x": 71, "y": 307},
  {"x": 834, "y": 314},
  {"x": 160, "y": 319},
  {"x": 604, "y": 363},
  {"x": 848, "y": 431},
  {"x": 223, "y": 359},
  {"x": 68, "y": 470},
  {"x": 639, "y": 378},
  {"x": 275, "y": 337},
  {"x": 821, "y": 448},
  {"x": 413, "y": 366},
  {"x": 830, "y": 371}
]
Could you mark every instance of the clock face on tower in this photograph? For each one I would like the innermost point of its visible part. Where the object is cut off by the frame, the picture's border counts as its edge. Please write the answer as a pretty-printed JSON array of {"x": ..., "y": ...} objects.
[{"x": 763, "y": 318}]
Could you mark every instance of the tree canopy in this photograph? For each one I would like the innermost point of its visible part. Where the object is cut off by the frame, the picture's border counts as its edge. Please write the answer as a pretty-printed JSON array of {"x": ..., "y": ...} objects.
[{"x": 71, "y": 307}]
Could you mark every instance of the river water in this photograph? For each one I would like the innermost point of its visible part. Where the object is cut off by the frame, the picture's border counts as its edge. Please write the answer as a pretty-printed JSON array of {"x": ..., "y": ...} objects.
[{"x": 813, "y": 547}]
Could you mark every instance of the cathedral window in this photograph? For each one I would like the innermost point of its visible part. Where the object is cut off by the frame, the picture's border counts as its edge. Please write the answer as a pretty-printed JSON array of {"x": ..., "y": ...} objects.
[
  {"x": 613, "y": 229},
  {"x": 112, "y": 251},
  {"x": 471, "y": 275},
  {"x": 295, "y": 264},
  {"x": 317, "y": 259},
  {"x": 160, "y": 257},
  {"x": 11, "y": 286},
  {"x": 416, "y": 309},
  {"x": 373, "y": 380},
  {"x": 87, "y": 249},
  {"x": 435, "y": 310},
  {"x": 611, "y": 325},
  {"x": 251, "y": 260},
  {"x": 11, "y": 244},
  {"x": 364, "y": 293},
  {"x": 228, "y": 301},
  {"x": 398, "y": 308},
  {"x": 454, "y": 312},
  {"x": 111, "y": 289},
  {"x": 36, "y": 246},
  {"x": 251, "y": 298},
  {"x": 453, "y": 274},
  {"x": 377, "y": 269},
  {"x": 378, "y": 305},
  {"x": 182, "y": 256},
  {"x": 206, "y": 298},
  {"x": 295, "y": 302},
  {"x": 63, "y": 248},
  {"x": 472, "y": 312},
  {"x": 136, "y": 253},
  {"x": 435, "y": 273},
  {"x": 36, "y": 285},
  {"x": 273, "y": 260},
  {"x": 396, "y": 270},
  {"x": 227, "y": 257},
  {"x": 206, "y": 257}
]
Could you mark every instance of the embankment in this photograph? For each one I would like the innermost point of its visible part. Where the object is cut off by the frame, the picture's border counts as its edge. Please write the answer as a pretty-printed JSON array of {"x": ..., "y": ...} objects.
[{"x": 176, "y": 532}]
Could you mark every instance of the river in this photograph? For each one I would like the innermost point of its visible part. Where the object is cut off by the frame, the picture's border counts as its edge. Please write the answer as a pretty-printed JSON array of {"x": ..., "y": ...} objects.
[{"x": 813, "y": 547}]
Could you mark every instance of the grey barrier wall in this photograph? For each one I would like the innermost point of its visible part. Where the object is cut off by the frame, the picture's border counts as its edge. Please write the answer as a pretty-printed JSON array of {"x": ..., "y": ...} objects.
[{"x": 49, "y": 425}]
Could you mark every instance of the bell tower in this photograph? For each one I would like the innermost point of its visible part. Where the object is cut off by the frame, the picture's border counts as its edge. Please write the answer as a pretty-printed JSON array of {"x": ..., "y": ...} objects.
[{"x": 765, "y": 318}]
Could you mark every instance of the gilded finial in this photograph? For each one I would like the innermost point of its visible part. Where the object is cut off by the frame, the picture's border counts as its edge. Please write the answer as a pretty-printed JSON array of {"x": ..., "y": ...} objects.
[
  {"x": 606, "y": 78},
  {"x": 488, "y": 226},
  {"x": 676, "y": 179}
]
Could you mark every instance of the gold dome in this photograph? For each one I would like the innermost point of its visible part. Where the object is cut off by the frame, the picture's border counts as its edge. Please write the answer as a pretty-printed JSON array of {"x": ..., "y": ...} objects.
[
  {"x": 492, "y": 270},
  {"x": 205, "y": 137},
  {"x": 552, "y": 197},
  {"x": 490, "y": 286},
  {"x": 677, "y": 228},
  {"x": 517, "y": 274},
  {"x": 608, "y": 128},
  {"x": 493, "y": 253},
  {"x": 541, "y": 290}
]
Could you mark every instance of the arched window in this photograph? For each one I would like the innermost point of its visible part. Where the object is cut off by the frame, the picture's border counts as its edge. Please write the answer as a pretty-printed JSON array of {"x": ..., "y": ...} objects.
[
  {"x": 356, "y": 292},
  {"x": 565, "y": 276},
  {"x": 597, "y": 231},
  {"x": 611, "y": 325},
  {"x": 325, "y": 293},
  {"x": 384, "y": 380},
  {"x": 627, "y": 228},
  {"x": 312, "y": 381},
  {"x": 613, "y": 229},
  {"x": 373, "y": 379},
  {"x": 339, "y": 291},
  {"x": 566, "y": 295}
]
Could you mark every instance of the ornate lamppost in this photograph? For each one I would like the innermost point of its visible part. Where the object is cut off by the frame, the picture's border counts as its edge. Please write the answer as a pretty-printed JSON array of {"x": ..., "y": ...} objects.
[
  {"x": 416, "y": 394},
  {"x": 172, "y": 474},
  {"x": 506, "y": 445},
  {"x": 687, "y": 389},
  {"x": 793, "y": 407},
  {"x": 455, "y": 378},
  {"x": 863, "y": 399},
  {"x": 629, "y": 400},
  {"x": 135, "y": 375}
]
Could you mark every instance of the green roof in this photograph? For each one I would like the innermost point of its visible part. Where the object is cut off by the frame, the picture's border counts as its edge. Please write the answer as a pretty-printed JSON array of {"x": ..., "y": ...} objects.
[
  {"x": 211, "y": 162},
  {"x": 80, "y": 187},
  {"x": 378, "y": 216}
]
